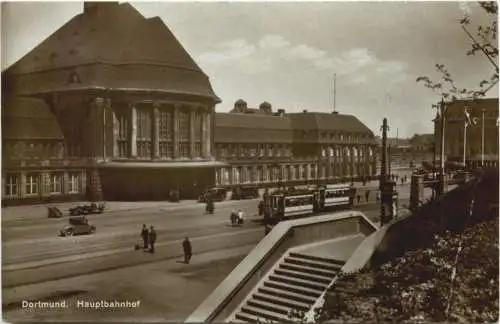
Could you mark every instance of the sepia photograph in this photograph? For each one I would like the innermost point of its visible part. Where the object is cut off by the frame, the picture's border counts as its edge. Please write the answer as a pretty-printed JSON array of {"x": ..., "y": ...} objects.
[{"x": 249, "y": 161}]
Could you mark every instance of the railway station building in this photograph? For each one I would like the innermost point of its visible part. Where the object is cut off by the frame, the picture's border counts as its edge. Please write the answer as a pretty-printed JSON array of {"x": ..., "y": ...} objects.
[{"x": 110, "y": 106}]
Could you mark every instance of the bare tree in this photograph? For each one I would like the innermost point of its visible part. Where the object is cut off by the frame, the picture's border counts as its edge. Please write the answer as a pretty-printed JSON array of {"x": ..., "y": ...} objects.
[{"x": 485, "y": 41}]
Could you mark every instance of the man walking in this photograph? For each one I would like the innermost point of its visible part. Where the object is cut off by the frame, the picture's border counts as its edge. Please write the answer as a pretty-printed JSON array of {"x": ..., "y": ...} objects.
[
  {"x": 152, "y": 239},
  {"x": 145, "y": 236},
  {"x": 367, "y": 195},
  {"x": 186, "y": 246}
]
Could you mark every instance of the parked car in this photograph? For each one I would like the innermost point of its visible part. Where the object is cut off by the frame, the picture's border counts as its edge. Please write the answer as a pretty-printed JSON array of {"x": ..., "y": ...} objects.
[
  {"x": 92, "y": 208},
  {"x": 214, "y": 194},
  {"x": 245, "y": 192},
  {"x": 77, "y": 226}
]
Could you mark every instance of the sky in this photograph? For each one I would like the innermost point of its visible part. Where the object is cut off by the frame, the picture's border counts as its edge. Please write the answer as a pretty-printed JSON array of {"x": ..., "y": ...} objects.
[{"x": 287, "y": 53}]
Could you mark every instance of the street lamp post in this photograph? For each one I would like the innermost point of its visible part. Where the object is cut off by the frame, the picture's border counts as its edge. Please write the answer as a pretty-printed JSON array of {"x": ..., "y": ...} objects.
[
  {"x": 482, "y": 137},
  {"x": 441, "y": 186}
]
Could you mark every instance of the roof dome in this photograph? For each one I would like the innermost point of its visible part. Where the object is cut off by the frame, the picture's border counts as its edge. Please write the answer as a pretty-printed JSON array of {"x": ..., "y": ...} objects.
[
  {"x": 240, "y": 102},
  {"x": 29, "y": 118},
  {"x": 265, "y": 105},
  {"x": 110, "y": 45}
]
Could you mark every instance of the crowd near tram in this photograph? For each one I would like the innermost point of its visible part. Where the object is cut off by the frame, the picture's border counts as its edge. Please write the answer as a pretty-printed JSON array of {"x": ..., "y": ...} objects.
[{"x": 286, "y": 203}]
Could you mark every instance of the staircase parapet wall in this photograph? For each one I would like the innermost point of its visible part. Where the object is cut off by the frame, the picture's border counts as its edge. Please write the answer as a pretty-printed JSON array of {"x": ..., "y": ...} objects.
[
  {"x": 446, "y": 213},
  {"x": 241, "y": 281}
]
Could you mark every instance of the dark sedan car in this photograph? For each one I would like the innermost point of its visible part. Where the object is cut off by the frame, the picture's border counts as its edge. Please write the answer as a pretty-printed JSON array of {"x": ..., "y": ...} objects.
[{"x": 77, "y": 226}]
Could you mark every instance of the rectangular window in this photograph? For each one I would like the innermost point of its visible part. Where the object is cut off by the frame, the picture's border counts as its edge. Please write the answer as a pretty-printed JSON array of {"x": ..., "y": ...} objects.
[
  {"x": 32, "y": 183},
  {"x": 55, "y": 183},
  {"x": 165, "y": 130},
  {"x": 184, "y": 134},
  {"x": 197, "y": 150},
  {"x": 11, "y": 184},
  {"x": 74, "y": 183},
  {"x": 123, "y": 132},
  {"x": 144, "y": 133}
]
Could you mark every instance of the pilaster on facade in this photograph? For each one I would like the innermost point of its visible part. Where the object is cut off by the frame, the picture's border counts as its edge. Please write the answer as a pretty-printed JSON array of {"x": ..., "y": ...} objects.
[
  {"x": 176, "y": 134},
  {"x": 133, "y": 131},
  {"x": 156, "y": 131}
]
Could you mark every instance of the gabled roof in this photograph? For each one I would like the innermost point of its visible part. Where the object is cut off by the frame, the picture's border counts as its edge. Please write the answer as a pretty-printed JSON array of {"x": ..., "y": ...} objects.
[
  {"x": 251, "y": 128},
  {"x": 262, "y": 128},
  {"x": 28, "y": 118},
  {"x": 112, "y": 36}
]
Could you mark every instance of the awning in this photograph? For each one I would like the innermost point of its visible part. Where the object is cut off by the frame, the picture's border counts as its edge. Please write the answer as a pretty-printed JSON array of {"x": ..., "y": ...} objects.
[{"x": 163, "y": 164}]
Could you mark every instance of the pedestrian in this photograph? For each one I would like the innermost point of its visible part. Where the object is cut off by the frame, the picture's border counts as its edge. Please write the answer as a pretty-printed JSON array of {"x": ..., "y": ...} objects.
[
  {"x": 145, "y": 236},
  {"x": 367, "y": 195},
  {"x": 234, "y": 217},
  {"x": 267, "y": 229},
  {"x": 152, "y": 239},
  {"x": 402, "y": 180},
  {"x": 240, "y": 216},
  {"x": 188, "y": 252},
  {"x": 378, "y": 196},
  {"x": 358, "y": 198}
]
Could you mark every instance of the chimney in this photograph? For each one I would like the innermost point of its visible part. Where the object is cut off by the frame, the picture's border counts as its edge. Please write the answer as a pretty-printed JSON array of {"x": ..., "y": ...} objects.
[{"x": 96, "y": 6}]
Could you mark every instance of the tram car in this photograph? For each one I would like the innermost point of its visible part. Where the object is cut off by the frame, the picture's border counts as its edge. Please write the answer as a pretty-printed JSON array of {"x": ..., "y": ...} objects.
[{"x": 313, "y": 200}]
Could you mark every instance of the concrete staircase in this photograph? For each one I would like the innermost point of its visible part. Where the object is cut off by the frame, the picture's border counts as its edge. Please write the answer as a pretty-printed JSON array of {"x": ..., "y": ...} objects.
[{"x": 295, "y": 284}]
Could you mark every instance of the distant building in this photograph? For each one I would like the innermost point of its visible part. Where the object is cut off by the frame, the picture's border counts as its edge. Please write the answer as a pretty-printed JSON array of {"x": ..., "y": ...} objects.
[
  {"x": 454, "y": 131},
  {"x": 269, "y": 148},
  {"x": 110, "y": 106},
  {"x": 405, "y": 152}
]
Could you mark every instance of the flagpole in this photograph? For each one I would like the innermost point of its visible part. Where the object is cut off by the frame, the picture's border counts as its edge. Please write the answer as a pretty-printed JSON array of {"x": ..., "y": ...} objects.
[{"x": 482, "y": 137}]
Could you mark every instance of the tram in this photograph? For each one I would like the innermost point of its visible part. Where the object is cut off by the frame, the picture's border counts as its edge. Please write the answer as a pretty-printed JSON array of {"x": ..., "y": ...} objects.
[{"x": 310, "y": 201}]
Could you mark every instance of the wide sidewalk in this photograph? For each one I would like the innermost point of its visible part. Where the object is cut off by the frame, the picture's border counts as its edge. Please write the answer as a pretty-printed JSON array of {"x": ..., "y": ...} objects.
[{"x": 36, "y": 211}]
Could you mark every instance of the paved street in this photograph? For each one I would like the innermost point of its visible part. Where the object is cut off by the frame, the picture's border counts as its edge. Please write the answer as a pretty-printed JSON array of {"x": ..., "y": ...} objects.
[{"x": 39, "y": 265}]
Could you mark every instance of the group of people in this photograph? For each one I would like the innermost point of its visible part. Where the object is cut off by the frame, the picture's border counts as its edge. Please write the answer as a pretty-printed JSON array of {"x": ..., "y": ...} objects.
[
  {"x": 237, "y": 217},
  {"x": 148, "y": 238}
]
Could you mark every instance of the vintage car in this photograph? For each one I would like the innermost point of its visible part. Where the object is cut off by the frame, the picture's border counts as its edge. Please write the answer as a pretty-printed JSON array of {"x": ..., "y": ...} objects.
[
  {"x": 54, "y": 212},
  {"x": 92, "y": 208},
  {"x": 214, "y": 194},
  {"x": 77, "y": 226},
  {"x": 245, "y": 192}
]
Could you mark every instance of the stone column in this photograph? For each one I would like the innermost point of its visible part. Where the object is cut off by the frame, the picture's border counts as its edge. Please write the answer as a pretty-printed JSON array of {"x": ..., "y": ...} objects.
[
  {"x": 192, "y": 152},
  {"x": 109, "y": 130},
  {"x": 176, "y": 134},
  {"x": 44, "y": 184},
  {"x": 206, "y": 142},
  {"x": 116, "y": 134},
  {"x": 204, "y": 134},
  {"x": 133, "y": 131},
  {"x": 65, "y": 183},
  {"x": 22, "y": 184},
  {"x": 156, "y": 131}
]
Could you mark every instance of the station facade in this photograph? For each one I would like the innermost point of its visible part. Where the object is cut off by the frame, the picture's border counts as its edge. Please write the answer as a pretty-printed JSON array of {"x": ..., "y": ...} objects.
[{"x": 267, "y": 148}]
